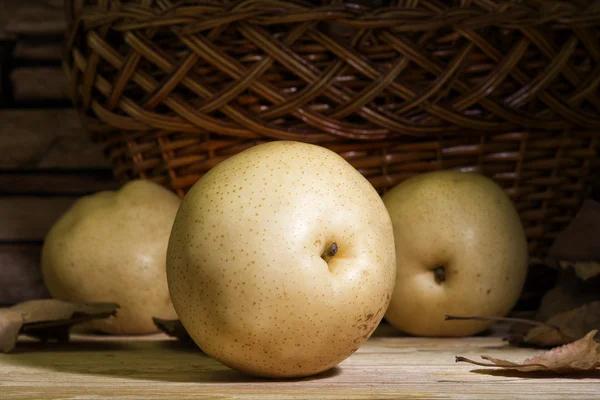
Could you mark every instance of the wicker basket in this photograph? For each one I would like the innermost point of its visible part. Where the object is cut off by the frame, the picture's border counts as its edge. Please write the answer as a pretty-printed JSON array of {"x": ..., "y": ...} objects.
[{"x": 504, "y": 88}]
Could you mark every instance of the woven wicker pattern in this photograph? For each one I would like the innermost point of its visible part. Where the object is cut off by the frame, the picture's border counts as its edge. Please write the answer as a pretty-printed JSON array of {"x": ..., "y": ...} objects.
[{"x": 505, "y": 88}]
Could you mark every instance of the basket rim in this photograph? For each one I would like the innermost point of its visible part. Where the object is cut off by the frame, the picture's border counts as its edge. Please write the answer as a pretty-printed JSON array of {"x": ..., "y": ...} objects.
[{"x": 131, "y": 15}]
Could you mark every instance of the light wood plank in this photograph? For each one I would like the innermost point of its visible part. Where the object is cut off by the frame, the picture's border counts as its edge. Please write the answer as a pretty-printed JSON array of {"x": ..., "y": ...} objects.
[
  {"x": 53, "y": 138},
  {"x": 29, "y": 218},
  {"x": 34, "y": 84},
  {"x": 20, "y": 274},
  {"x": 388, "y": 366}
]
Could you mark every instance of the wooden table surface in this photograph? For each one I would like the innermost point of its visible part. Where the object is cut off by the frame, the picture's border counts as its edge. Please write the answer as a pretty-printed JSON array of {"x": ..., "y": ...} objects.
[{"x": 388, "y": 366}]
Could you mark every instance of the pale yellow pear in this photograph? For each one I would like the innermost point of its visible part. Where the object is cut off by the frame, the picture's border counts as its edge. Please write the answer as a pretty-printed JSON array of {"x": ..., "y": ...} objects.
[
  {"x": 253, "y": 270},
  {"x": 111, "y": 247},
  {"x": 460, "y": 250}
]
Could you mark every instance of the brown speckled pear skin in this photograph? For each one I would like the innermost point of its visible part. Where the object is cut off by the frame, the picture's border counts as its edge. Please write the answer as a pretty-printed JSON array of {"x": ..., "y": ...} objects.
[
  {"x": 465, "y": 223},
  {"x": 111, "y": 247},
  {"x": 244, "y": 262}
]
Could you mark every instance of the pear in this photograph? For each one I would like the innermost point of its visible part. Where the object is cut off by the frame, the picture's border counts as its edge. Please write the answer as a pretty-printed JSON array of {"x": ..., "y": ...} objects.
[
  {"x": 111, "y": 247},
  {"x": 460, "y": 250},
  {"x": 281, "y": 261}
]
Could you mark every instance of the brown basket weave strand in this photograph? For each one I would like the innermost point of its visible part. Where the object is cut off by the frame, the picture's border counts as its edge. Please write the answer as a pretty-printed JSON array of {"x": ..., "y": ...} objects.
[{"x": 505, "y": 88}]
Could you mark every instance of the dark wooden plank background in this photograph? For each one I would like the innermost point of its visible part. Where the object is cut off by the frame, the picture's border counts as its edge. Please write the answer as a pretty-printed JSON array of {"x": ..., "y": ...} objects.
[{"x": 46, "y": 159}]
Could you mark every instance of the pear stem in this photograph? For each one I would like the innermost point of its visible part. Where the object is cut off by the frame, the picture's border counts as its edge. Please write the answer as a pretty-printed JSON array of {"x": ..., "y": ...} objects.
[
  {"x": 440, "y": 274},
  {"x": 330, "y": 252}
]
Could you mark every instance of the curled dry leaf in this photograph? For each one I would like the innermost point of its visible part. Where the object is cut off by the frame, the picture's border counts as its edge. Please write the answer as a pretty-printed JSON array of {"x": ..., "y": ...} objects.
[
  {"x": 566, "y": 313},
  {"x": 579, "y": 241},
  {"x": 47, "y": 319},
  {"x": 581, "y": 355},
  {"x": 10, "y": 325},
  {"x": 562, "y": 328},
  {"x": 39, "y": 311},
  {"x": 570, "y": 292},
  {"x": 583, "y": 269},
  {"x": 173, "y": 328},
  {"x": 566, "y": 327}
]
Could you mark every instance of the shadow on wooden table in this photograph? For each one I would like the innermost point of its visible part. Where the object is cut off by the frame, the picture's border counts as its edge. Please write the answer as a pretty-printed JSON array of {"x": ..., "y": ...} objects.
[
  {"x": 508, "y": 373},
  {"x": 136, "y": 343},
  {"x": 135, "y": 358}
]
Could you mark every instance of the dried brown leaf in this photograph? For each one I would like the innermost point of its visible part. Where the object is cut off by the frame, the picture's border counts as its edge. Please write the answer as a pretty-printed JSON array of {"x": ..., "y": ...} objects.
[
  {"x": 47, "y": 319},
  {"x": 173, "y": 328},
  {"x": 570, "y": 292},
  {"x": 36, "y": 311},
  {"x": 568, "y": 311},
  {"x": 579, "y": 241},
  {"x": 10, "y": 326},
  {"x": 580, "y": 355},
  {"x": 570, "y": 325},
  {"x": 583, "y": 269},
  {"x": 541, "y": 337}
]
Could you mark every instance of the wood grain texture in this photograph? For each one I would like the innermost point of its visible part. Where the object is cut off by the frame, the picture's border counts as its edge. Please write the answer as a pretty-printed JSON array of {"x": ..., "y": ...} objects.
[
  {"x": 32, "y": 17},
  {"x": 39, "y": 50},
  {"x": 44, "y": 83},
  {"x": 47, "y": 160},
  {"x": 21, "y": 274},
  {"x": 46, "y": 138},
  {"x": 28, "y": 218},
  {"x": 388, "y": 366}
]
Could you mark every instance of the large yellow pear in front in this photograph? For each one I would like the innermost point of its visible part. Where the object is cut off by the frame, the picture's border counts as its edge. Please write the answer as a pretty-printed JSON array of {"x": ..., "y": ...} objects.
[
  {"x": 460, "y": 249},
  {"x": 111, "y": 247},
  {"x": 281, "y": 260}
]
